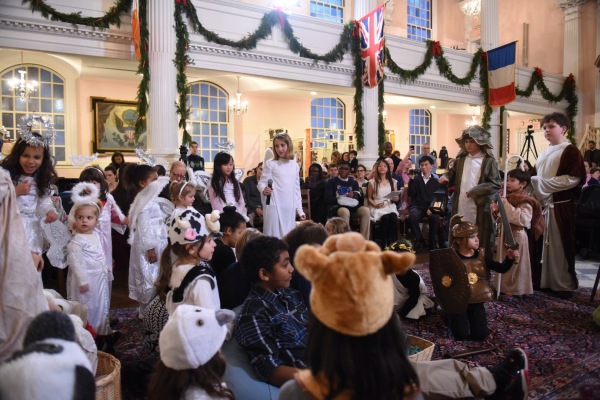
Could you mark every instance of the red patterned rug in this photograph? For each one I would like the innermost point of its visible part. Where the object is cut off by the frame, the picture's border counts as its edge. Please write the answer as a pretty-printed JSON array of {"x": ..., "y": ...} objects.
[{"x": 560, "y": 337}]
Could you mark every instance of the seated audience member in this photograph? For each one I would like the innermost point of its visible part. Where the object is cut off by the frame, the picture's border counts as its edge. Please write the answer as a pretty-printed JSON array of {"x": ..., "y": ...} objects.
[
  {"x": 397, "y": 177},
  {"x": 594, "y": 177},
  {"x": 232, "y": 224},
  {"x": 177, "y": 173},
  {"x": 307, "y": 232},
  {"x": 272, "y": 322},
  {"x": 420, "y": 193},
  {"x": 234, "y": 284},
  {"x": 361, "y": 176},
  {"x": 353, "y": 161},
  {"x": 336, "y": 157},
  {"x": 356, "y": 348},
  {"x": 411, "y": 298},
  {"x": 587, "y": 166},
  {"x": 110, "y": 174},
  {"x": 388, "y": 153},
  {"x": 344, "y": 198},
  {"x": 426, "y": 147},
  {"x": 316, "y": 184},
  {"x": 252, "y": 196},
  {"x": 336, "y": 226},
  {"x": 332, "y": 170},
  {"x": 382, "y": 207},
  {"x": 404, "y": 166}
]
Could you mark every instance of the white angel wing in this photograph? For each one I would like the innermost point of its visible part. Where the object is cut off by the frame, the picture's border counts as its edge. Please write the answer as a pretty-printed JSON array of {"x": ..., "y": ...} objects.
[
  {"x": 79, "y": 160},
  {"x": 58, "y": 236},
  {"x": 239, "y": 174},
  {"x": 268, "y": 155},
  {"x": 166, "y": 208},
  {"x": 202, "y": 181}
]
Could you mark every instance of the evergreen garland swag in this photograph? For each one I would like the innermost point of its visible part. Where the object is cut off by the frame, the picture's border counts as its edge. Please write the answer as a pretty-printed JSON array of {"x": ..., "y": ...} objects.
[{"x": 349, "y": 41}]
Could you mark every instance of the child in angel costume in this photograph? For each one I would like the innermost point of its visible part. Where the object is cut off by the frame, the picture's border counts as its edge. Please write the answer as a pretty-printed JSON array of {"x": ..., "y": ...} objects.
[
  {"x": 148, "y": 234},
  {"x": 30, "y": 168},
  {"x": 87, "y": 279}
]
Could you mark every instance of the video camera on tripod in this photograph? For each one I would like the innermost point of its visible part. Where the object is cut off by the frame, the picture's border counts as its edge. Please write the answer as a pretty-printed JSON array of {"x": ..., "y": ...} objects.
[{"x": 529, "y": 144}]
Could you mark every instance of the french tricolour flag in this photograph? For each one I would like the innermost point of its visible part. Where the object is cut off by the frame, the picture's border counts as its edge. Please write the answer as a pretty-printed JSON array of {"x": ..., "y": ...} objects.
[{"x": 501, "y": 74}]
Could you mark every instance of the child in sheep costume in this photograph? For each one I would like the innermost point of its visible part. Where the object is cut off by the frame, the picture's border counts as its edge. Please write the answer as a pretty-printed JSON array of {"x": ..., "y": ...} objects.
[{"x": 51, "y": 364}]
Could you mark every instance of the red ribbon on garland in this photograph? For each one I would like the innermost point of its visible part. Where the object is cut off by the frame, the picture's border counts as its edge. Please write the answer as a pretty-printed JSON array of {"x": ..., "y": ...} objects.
[
  {"x": 281, "y": 20},
  {"x": 571, "y": 79},
  {"x": 539, "y": 72},
  {"x": 356, "y": 31},
  {"x": 437, "y": 50},
  {"x": 184, "y": 2}
]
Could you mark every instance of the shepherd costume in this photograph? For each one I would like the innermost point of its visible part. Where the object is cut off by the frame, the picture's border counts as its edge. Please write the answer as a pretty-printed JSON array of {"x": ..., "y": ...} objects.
[
  {"x": 557, "y": 186},
  {"x": 478, "y": 177}
]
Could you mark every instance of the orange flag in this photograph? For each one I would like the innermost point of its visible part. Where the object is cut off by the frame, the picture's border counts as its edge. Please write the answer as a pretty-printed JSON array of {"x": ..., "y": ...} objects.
[{"x": 135, "y": 28}]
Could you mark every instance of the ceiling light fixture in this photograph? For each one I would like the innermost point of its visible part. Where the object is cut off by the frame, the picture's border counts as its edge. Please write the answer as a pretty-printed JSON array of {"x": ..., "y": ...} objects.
[
  {"x": 471, "y": 8},
  {"x": 236, "y": 106},
  {"x": 20, "y": 86}
]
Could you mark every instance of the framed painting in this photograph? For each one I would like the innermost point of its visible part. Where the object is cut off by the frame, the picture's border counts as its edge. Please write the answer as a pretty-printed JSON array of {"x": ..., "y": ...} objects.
[{"x": 114, "y": 126}]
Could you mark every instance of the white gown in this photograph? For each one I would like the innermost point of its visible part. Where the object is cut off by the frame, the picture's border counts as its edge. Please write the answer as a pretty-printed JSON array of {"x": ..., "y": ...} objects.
[
  {"x": 87, "y": 265},
  {"x": 555, "y": 268},
  {"x": 280, "y": 216},
  {"x": 104, "y": 229},
  {"x": 33, "y": 208},
  {"x": 147, "y": 230}
]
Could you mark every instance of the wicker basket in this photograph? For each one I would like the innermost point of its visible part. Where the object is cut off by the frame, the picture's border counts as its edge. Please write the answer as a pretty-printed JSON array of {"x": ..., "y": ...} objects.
[
  {"x": 108, "y": 377},
  {"x": 426, "y": 348}
]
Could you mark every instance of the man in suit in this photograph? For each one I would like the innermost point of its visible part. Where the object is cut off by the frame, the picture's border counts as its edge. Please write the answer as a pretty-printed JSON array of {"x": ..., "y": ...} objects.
[
  {"x": 420, "y": 193},
  {"x": 592, "y": 155}
]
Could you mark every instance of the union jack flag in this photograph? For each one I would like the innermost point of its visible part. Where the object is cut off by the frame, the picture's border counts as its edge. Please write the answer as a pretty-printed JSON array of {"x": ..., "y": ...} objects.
[{"x": 372, "y": 46}]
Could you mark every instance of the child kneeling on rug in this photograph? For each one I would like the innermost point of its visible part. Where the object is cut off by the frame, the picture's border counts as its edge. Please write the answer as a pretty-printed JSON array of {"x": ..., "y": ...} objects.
[
  {"x": 191, "y": 366},
  {"x": 355, "y": 343},
  {"x": 472, "y": 323}
]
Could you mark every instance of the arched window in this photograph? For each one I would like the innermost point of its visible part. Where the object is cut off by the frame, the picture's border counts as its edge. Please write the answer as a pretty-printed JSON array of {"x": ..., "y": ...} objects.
[
  {"x": 327, "y": 122},
  {"x": 419, "y": 130},
  {"x": 209, "y": 122},
  {"x": 49, "y": 99},
  {"x": 418, "y": 23}
]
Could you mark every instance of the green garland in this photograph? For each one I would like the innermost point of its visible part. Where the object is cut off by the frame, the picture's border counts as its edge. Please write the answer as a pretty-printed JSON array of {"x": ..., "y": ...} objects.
[
  {"x": 143, "y": 70},
  {"x": 347, "y": 42},
  {"x": 568, "y": 92},
  {"x": 359, "y": 128},
  {"x": 270, "y": 19},
  {"x": 380, "y": 123},
  {"x": 182, "y": 60},
  {"x": 112, "y": 16}
]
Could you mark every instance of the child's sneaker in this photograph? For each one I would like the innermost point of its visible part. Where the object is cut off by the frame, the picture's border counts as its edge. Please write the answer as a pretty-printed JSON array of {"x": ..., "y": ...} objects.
[{"x": 512, "y": 373}]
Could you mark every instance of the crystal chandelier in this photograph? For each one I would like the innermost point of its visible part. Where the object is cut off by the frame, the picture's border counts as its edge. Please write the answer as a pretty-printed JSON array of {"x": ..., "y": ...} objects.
[
  {"x": 473, "y": 120},
  {"x": 20, "y": 86},
  {"x": 236, "y": 106},
  {"x": 471, "y": 8}
]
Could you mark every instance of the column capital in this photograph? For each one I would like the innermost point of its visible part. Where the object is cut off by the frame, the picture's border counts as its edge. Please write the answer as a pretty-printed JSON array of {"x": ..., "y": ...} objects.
[{"x": 566, "y": 5}]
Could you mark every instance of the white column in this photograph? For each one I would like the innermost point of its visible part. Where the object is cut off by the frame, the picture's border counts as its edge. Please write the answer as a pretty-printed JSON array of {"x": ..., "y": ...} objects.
[
  {"x": 572, "y": 48},
  {"x": 369, "y": 100},
  {"x": 597, "y": 97},
  {"x": 489, "y": 40},
  {"x": 163, "y": 140}
]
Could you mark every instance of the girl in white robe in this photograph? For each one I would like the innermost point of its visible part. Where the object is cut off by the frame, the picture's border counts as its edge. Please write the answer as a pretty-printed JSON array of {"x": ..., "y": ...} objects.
[
  {"x": 283, "y": 194},
  {"x": 87, "y": 279},
  {"x": 148, "y": 234}
]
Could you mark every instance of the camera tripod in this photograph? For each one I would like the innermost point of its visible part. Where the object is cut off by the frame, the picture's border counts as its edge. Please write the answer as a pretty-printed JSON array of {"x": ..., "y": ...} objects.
[{"x": 529, "y": 145}]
